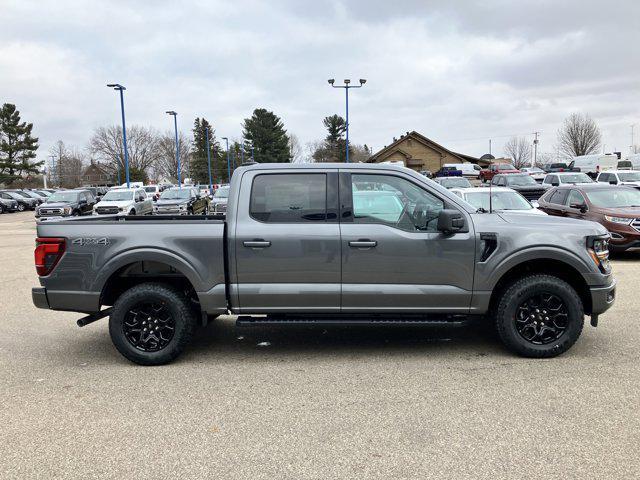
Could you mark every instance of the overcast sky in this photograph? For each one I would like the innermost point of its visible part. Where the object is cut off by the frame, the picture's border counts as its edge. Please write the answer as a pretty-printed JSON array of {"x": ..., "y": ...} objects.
[{"x": 458, "y": 72}]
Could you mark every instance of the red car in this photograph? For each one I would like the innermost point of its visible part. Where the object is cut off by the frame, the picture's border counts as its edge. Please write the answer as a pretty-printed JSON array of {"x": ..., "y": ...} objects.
[{"x": 487, "y": 174}]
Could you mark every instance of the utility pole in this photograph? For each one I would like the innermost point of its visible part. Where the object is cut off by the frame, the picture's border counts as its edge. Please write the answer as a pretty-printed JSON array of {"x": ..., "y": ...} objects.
[
  {"x": 489, "y": 146},
  {"x": 535, "y": 149},
  {"x": 632, "y": 148}
]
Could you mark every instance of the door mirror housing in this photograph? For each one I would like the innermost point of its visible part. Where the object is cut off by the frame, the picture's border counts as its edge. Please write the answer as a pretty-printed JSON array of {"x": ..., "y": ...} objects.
[
  {"x": 555, "y": 184},
  {"x": 450, "y": 221},
  {"x": 613, "y": 182},
  {"x": 579, "y": 206}
]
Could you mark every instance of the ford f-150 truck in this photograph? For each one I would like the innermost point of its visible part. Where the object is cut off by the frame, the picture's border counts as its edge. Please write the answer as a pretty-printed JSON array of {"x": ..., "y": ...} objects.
[{"x": 334, "y": 243}]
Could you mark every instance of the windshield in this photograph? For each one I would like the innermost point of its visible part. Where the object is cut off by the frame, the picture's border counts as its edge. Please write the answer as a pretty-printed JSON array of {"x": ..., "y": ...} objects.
[
  {"x": 499, "y": 200},
  {"x": 22, "y": 194},
  {"x": 31, "y": 195},
  {"x": 575, "y": 178},
  {"x": 506, "y": 166},
  {"x": 222, "y": 192},
  {"x": 64, "y": 197},
  {"x": 118, "y": 196},
  {"x": 175, "y": 194},
  {"x": 520, "y": 180},
  {"x": 455, "y": 183},
  {"x": 630, "y": 177},
  {"x": 614, "y": 197}
]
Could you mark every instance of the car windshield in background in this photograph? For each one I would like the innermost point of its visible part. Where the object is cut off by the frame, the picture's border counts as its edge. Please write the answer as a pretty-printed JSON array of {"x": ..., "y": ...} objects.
[
  {"x": 63, "y": 197},
  {"x": 575, "y": 178},
  {"x": 455, "y": 183},
  {"x": 22, "y": 194},
  {"x": 630, "y": 176},
  {"x": 32, "y": 195},
  {"x": 150, "y": 189},
  {"x": 118, "y": 196},
  {"x": 520, "y": 180},
  {"x": 499, "y": 200},
  {"x": 506, "y": 166},
  {"x": 176, "y": 194},
  {"x": 614, "y": 197},
  {"x": 222, "y": 192}
]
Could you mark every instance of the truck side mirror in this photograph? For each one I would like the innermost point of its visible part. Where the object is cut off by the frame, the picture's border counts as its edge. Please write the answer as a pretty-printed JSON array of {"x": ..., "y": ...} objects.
[
  {"x": 613, "y": 182},
  {"x": 450, "y": 221},
  {"x": 555, "y": 184}
]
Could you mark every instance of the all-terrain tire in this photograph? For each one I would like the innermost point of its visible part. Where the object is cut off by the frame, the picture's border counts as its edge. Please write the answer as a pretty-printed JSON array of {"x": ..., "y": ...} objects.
[
  {"x": 177, "y": 306},
  {"x": 513, "y": 297}
]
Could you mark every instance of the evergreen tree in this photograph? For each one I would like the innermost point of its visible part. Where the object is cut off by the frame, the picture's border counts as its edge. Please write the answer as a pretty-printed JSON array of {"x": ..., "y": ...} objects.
[
  {"x": 199, "y": 161},
  {"x": 17, "y": 146},
  {"x": 333, "y": 149},
  {"x": 265, "y": 132}
]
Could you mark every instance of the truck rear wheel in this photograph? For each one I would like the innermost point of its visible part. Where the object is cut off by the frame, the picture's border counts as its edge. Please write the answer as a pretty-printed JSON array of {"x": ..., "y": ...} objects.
[
  {"x": 539, "y": 316},
  {"x": 151, "y": 323}
]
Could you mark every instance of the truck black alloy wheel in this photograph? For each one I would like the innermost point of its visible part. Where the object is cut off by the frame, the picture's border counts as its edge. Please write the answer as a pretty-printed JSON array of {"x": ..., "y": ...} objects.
[
  {"x": 151, "y": 323},
  {"x": 539, "y": 316}
]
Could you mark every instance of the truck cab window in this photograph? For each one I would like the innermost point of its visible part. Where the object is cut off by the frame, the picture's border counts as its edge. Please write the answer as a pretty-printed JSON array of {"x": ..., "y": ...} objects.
[
  {"x": 289, "y": 198},
  {"x": 394, "y": 201}
]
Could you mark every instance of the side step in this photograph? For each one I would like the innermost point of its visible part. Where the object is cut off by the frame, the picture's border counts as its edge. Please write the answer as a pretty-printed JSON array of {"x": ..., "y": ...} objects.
[{"x": 353, "y": 320}]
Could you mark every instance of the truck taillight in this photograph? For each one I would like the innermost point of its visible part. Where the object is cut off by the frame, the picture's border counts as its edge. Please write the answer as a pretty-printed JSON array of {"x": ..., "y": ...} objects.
[{"x": 48, "y": 252}]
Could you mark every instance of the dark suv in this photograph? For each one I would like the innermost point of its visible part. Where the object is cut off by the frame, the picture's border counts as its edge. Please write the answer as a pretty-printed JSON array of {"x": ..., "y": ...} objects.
[
  {"x": 523, "y": 183},
  {"x": 25, "y": 202},
  {"x": 7, "y": 203},
  {"x": 67, "y": 203}
]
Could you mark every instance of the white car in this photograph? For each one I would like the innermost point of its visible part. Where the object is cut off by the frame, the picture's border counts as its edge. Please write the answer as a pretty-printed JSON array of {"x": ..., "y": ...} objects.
[
  {"x": 564, "y": 178},
  {"x": 124, "y": 201},
  {"x": 620, "y": 177},
  {"x": 537, "y": 173},
  {"x": 502, "y": 199}
]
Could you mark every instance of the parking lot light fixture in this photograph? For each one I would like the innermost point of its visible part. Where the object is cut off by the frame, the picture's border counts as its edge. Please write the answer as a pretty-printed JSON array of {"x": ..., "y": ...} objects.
[
  {"x": 175, "y": 125},
  {"x": 121, "y": 89},
  {"x": 347, "y": 85},
  {"x": 228, "y": 160}
]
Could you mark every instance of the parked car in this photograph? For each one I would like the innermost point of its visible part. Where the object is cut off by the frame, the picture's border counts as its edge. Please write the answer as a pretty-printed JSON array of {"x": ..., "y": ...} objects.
[
  {"x": 25, "y": 202},
  {"x": 556, "y": 167},
  {"x": 124, "y": 201},
  {"x": 536, "y": 173},
  {"x": 299, "y": 249},
  {"x": 28, "y": 194},
  {"x": 487, "y": 174},
  {"x": 522, "y": 183},
  {"x": 182, "y": 201},
  {"x": 616, "y": 208},
  {"x": 624, "y": 165},
  {"x": 153, "y": 191},
  {"x": 453, "y": 182},
  {"x": 468, "y": 169},
  {"x": 95, "y": 191},
  {"x": 448, "y": 172},
  {"x": 67, "y": 203},
  {"x": 9, "y": 204},
  {"x": 219, "y": 200},
  {"x": 502, "y": 199},
  {"x": 616, "y": 177},
  {"x": 562, "y": 178},
  {"x": 43, "y": 193},
  {"x": 592, "y": 165}
]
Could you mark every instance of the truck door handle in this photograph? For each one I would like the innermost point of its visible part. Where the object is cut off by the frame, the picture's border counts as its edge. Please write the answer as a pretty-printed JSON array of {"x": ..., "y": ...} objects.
[
  {"x": 257, "y": 244},
  {"x": 363, "y": 244}
]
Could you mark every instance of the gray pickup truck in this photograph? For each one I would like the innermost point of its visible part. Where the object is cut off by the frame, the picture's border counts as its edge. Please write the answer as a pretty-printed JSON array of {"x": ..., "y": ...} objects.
[{"x": 333, "y": 243}]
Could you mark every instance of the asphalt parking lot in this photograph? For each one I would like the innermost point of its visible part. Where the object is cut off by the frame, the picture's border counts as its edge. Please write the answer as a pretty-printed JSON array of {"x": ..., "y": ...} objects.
[{"x": 304, "y": 402}]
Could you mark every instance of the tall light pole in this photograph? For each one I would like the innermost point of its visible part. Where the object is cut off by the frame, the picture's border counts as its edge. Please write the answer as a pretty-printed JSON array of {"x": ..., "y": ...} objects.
[
  {"x": 346, "y": 87},
  {"x": 121, "y": 89},
  {"x": 175, "y": 125},
  {"x": 242, "y": 150},
  {"x": 228, "y": 160},
  {"x": 632, "y": 145},
  {"x": 206, "y": 129},
  {"x": 535, "y": 150}
]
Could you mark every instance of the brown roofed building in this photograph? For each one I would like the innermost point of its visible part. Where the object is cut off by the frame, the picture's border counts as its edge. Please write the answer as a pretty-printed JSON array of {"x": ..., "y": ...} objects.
[
  {"x": 419, "y": 153},
  {"x": 95, "y": 174}
]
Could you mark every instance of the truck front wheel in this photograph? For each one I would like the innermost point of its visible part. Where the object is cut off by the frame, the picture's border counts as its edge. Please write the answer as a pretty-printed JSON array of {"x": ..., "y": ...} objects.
[
  {"x": 539, "y": 316},
  {"x": 151, "y": 323}
]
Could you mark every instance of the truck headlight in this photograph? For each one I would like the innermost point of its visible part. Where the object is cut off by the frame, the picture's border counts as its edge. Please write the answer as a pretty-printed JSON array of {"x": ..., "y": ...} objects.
[
  {"x": 598, "y": 248},
  {"x": 623, "y": 220},
  {"x": 67, "y": 210},
  {"x": 121, "y": 209}
]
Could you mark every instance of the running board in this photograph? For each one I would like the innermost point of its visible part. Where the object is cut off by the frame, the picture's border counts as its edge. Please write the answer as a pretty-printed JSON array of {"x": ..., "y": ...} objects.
[{"x": 353, "y": 320}]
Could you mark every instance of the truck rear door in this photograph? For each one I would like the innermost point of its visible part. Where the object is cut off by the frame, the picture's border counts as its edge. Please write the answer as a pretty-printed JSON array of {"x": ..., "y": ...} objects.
[{"x": 287, "y": 242}]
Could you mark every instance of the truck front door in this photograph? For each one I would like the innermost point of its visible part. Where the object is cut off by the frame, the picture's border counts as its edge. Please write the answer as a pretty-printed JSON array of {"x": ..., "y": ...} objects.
[
  {"x": 287, "y": 242},
  {"x": 393, "y": 257}
]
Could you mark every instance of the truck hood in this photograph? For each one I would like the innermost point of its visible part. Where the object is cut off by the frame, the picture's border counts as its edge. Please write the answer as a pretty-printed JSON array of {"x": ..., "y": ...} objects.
[
  {"x": 631, "y": 212},
  {"x": 113, "y": 203},
  {"x": 171, "y": 203},
  {"x": 57, "y": 204},
  {"x": 541, "y": 222}
]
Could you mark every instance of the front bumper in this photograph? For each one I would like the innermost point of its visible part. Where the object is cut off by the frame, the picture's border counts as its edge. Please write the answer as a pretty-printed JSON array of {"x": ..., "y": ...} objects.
[{"x": 602, "y": 298}]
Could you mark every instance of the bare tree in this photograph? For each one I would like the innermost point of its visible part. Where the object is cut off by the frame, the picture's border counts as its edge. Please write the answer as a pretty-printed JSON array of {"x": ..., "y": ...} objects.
[
  {"x": 295, "y": 149},
  {"x": 519, "y": 150},
  {"x": 167, "y": 165},
  {"x": 579, "y": 135},
  {"x": 69, "y": 165},
  {"x": 359, "y": 153},
  {"x": 142, "y": 144}
]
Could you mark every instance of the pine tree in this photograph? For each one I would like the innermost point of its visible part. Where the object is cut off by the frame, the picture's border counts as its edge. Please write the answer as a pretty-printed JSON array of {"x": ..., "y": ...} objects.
[
  {"x": 265, "y": 132},
  {"x": 333, "y": 149},
  {"x": 199, "y": 161},
  {"x": 17, "y": 146}
]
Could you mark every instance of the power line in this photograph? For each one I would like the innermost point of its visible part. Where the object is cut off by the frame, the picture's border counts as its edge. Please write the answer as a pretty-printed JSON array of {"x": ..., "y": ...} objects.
[{"x": 488, "y": 137}]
